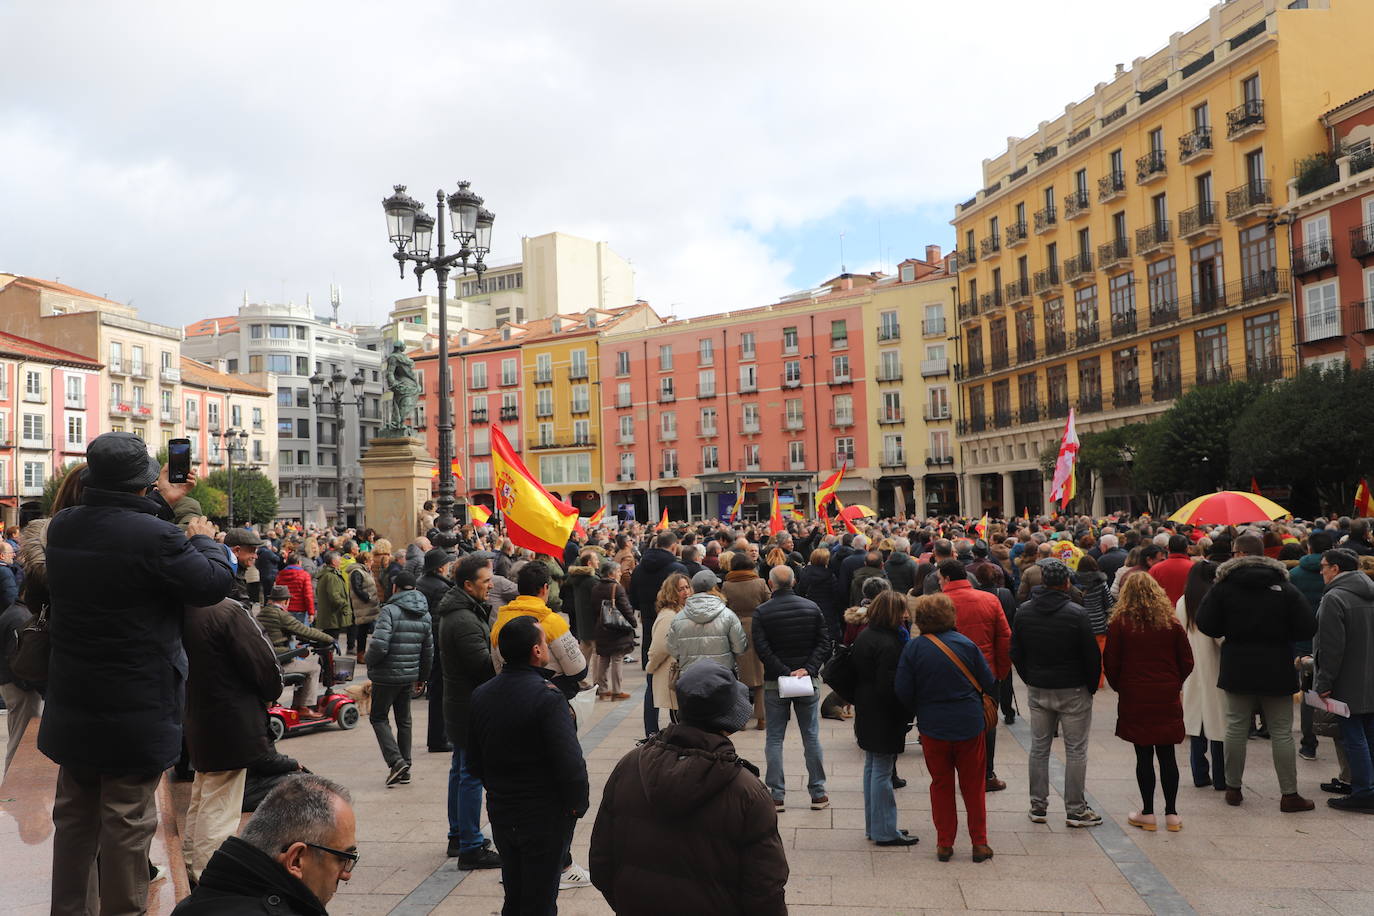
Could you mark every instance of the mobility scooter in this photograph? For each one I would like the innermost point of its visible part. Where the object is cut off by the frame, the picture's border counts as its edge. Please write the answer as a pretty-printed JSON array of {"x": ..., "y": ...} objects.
[{"x": 335, "y": 706}]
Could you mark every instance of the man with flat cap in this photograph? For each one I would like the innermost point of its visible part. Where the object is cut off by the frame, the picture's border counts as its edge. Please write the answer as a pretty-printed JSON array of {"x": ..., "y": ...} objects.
[
  {"x": 120, "y": 575},
  {"x": 243, "y": 543}
]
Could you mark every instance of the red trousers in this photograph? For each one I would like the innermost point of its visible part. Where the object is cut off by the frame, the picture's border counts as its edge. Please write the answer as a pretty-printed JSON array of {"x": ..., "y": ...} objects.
[{"x": 969, "y": 759}]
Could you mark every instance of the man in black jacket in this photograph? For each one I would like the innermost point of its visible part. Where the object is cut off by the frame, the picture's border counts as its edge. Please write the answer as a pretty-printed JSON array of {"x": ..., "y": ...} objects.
[
  {"x": 523, "y": 746},
  {"x": 299, "y": 844},
  {"x": 791, "y": 640},
  {"x": 658, "y": 563},
  {"x": 434, "y": 585},
  {"x": 120, "y": 575},
  {"x": 1260, "y": 615},
  {"x": 465, "y": 638},
  {"x": 1056, "y": 654}
]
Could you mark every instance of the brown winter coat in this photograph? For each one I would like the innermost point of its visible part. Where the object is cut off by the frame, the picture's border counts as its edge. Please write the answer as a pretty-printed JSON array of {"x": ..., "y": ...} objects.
[
  {"x": 744, "y": 591},
  {"x": 1147, "y": 666},
  {"x": 610, "y": 643}
]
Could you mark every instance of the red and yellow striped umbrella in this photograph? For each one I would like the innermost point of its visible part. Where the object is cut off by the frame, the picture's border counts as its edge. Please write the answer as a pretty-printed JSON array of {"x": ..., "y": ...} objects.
[{"x": 1229, "y": 507}]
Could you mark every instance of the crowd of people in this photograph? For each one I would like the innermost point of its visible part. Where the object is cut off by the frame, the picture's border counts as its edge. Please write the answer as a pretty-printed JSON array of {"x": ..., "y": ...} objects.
[{"x": 1203, "y": 632}]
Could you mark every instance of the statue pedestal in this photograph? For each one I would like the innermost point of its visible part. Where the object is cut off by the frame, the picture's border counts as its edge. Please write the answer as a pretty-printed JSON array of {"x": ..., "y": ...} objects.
[{"x": 396, "y": 483}]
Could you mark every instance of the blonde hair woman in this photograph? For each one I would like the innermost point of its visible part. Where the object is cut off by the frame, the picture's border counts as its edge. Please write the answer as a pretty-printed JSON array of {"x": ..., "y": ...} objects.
[
  {"x": 674, "y": 593},
  {"x": 1147, "y": 659}
]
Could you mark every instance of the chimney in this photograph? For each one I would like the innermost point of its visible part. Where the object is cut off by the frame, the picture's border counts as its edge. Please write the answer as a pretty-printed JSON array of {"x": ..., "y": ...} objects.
[
  {"x": 932, "y": 254},
  {"x": 222, "y": 365}
]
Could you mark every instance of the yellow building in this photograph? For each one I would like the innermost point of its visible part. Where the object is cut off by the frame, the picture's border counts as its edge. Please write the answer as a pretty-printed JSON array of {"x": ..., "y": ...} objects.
[
  {"x": 1125, "y": 252},
  {"x": 907, "y": 320}
]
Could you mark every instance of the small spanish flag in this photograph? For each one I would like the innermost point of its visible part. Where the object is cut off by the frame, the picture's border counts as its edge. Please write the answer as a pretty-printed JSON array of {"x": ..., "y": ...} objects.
[
  {"x": 739, "y": 501},
  {"x": 596, "y": 518},
  {"x": 798, "y": 515},
  {"x": 1254, "y": 486},
  {"x": 775, "y": 522},
  {"x": 663, "y": 522},
  {"x": 454, "y": 466},
  {"x": 479, "y": 514},
  {"x": 1364, "y": 500},
  {"x": 981, "y": 528}
]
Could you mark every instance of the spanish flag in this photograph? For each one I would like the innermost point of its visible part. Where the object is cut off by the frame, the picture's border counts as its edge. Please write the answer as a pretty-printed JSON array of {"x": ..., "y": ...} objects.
[
  {"x": 1065, "y": 482},
  {"x": 839, "y": 510},
  {"x": 827, "y": 490},
  {"x": 534, "y": 519},
  {"x": 479, "y": 514},
  {"x": 453, "y": 466},
  {"x": 739, "y": 501},
  {"x": 775, "y": 522},
  {"x": 829, "y": 528},
  {"x": 1364, "y": 500},
  {"x": 596, "y": 518},
  {"x": 663, "y": 522},
  {"x": 797, "y": 515},
  {"x": 981, "y": 528}
]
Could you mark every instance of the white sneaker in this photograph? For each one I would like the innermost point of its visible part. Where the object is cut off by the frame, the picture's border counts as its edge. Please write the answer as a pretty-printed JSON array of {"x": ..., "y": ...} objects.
[{"x": 573, "y": 877}]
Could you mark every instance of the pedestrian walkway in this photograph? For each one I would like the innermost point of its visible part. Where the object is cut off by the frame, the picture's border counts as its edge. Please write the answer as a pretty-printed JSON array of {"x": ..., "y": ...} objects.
[{"x": 1226, "y": 860}]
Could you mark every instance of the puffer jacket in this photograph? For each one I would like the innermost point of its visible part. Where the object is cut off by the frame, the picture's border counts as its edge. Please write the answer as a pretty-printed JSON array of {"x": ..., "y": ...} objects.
[
  {"x": 818, "y": 584},
  {"x": 401, "y": 649},
  {"x": 686, "y": 827},
  {"x": 465, "y": 655},
  {"x": 1259, "y": 613},
  {"x": 900, "y": 570},
  {"x": 1052, "y": 643},
  {"x": 300, "y": 585},
  {"x": 362, "y": 592},
  {"x": 333, "y": 607},
  {"x": 706, "y": 628},
  {"x": 790, "y": 633},
  {"x": 1344, "y": 647},
  {"x": 1097, "y": 599}
]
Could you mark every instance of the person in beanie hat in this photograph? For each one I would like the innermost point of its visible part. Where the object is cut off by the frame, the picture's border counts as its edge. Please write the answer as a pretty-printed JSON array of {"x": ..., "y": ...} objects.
[
  {"x": 1056, "y": 654},
  {"x": 685, "y": 824},
  {"x": 120, "y": 575}
]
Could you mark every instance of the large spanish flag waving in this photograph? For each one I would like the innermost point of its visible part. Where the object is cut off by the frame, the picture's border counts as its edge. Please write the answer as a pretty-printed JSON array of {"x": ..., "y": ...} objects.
[
  {"x": 827, "y": 490},
  {"x": 1364, "y": 500},
  {"x": 534, "y": 519},
  {"x": 479, "y": 514}
]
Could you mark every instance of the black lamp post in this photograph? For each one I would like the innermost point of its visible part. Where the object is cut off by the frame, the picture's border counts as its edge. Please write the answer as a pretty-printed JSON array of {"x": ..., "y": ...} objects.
[
  {"x": 411, "y": 230},
  {"x": 332, "y": 390},
  {"x": 233, "y": 439}
]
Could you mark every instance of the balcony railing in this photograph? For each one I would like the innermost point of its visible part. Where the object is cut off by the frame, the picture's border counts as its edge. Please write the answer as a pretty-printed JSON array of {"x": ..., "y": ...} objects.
[
  {"x": 1126, "y": 394},
  {"x": 76, "y": 400},
  {"x": 1113, "y": 254},
  {"x": 541, "y": 377},
  {"x": 479, "y": 383},
  {"x": 750, "y": 427},
  {"x": 1362, "y": 241},
  {"x": 792, "y": 423},
  {"x": 1270, "y": 283},
  {"x": 705, "y": 392},
  {"x": 1123, "y": 323},
  {"x": 889, "y": 332},
  {"x": 171, "y": 374},
  {"x": 1151, "y": 166},
  {"x": 1091, "y": 334},
  {"x": 975, "y": 366},
  {"x": 667, "y": 435},
  {"x": 990, "y": 301},
  {"x": 934, "y": 367},
  {"x": 510, "y": 413},
  {"x": 667, "y": 471},
  {"x": 1001, "y": 419},
  {"x": 1362, "y": 314},
  {"x": 1314, "y": 256},
  {"x": 1208, "y": 299},
  {"x": 891, "y": 415},
  {"x": 509, "y": 381},
  {"x": 1248, "y": 199},
  {"x": 1079, "y": 267},
  {"x": 1017, "y": 292},
  {"x": 36, "y": 397},
  {"x": 1198, "y": 221},
  {"x": 1000, "y": 359},
  {"x": 843, "y": 460},
  {"x": 990, "y": 246},
  {"x": 1076, "y": 204},
  {"x": 889, "y": 373},
  {"x": 1153, "y": 238},
  {"x": 170, "y": 414},
  {"x": 1016, "y": 234},
  {"x": 1269, "y": 368},
  {"x": 625, "y": 476},
  {"x": 192, "y": 420},
  {"x": 967, "y": 309},
  {"x": 841, "y": 418},
  {"x": 967, "y": 256},
  {"x": 1030, "y": 413},
  {"x": 1245, "y": 119},
  {"x": 1047, "y": 281},
  {"x": 746, "y": 387},
  {"x": 666, "y": 397},
  {"x": 746, "y": 464},
  {"x": 1090, "y": 403},
  {"x": 1045, "y": 220},
  {"x": 624, "y": 438},
  {"x": 892, "y": 459},
  {"x": 1057, "y": 410},
  {"x": 1163, "y": 312},
  {"x": 1111, "y": 186},
  {"x": 1055, "y": 342},
  {"x": 788, "y": 381},
  {"x": 1195, "y": 144},
  {"x": 1025, "y": 351},
  {"x": 1321, "y": 326},
  {"x": 479, "y": 415},
  {"x": 1166, "y": 387},
  {"x": 1213, "y": 375},
  {"x": 933, "y": 327},
  {"x": 939, "y": 459},
  {"x": 578, "y": 373},
  {"x": 935, "y": 412},
  {"x": 836, "y": 379},
  {"x": 116, "y": 366},
  {"x": 581, "y": 406}
]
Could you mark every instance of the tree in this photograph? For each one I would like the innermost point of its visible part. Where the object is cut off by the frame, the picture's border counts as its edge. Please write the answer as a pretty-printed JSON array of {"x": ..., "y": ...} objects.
[
  {"x": 213, "y": 503},
  {"x": 1189, "y": 453},
  {"x": 1105, "y": 453},
  {"x": 255, "y": 497}
]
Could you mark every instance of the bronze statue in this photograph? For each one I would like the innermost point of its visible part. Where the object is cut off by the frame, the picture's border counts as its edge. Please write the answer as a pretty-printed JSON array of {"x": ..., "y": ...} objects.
[{"x": 404, "y": 386}]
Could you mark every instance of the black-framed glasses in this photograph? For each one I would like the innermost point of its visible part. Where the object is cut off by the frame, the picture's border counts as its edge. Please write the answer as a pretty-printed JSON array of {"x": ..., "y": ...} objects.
[{"x": 351, "y": 858}]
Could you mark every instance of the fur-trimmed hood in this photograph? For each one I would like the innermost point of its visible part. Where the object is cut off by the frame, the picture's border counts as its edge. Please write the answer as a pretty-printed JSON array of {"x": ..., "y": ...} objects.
[
  {"x": 1252, "y": 572},
  {"x": 856, "y": 615}
]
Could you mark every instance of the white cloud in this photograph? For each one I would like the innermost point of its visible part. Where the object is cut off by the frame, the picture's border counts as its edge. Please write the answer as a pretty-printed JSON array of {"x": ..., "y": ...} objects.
[{"x": 177, "y": 154}]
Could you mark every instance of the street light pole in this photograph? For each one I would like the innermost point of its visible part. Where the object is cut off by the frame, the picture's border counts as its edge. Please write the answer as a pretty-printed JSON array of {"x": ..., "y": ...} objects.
[
  {"x": 410, "y": 230},
  {"x": 228, "y": 437},
  {"x": 332, "y": 390}
]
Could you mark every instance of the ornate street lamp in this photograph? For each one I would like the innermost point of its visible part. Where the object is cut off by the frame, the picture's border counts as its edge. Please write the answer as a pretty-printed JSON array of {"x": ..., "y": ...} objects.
[
  {"x": 332, "y": 390},
  {"x": 411, "y": 230},
  {"x": 233, "y": 439}
]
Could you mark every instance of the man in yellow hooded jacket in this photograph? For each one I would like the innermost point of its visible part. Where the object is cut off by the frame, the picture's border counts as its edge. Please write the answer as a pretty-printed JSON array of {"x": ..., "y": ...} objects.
[{"x": 566, "y": 661}]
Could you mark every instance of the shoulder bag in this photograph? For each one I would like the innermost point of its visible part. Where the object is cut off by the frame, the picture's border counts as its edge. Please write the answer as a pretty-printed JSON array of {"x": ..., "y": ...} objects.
[
  {"x": 28, "y": 658},
  {"x": 989, "y": 701},
  {"x": 840, "y": 673},
  {"x": 611, "y": 618}
]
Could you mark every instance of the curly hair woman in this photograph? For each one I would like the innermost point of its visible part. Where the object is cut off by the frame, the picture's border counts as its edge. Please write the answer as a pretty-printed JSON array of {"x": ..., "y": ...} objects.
[{"x": 1147, "y": 659}]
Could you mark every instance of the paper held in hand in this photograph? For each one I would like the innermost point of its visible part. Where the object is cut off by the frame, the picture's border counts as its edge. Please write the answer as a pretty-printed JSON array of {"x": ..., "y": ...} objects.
[
  {"x": 795, "y": 687},
  {"x": 1336, "y": 707}
]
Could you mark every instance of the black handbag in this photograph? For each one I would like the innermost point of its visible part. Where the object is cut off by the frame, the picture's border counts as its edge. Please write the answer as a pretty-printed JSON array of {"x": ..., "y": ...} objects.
[
  {"x": 611, "y": 618},
  {"x": 840, "y": 673},
  {"x": 28, "y": 658}
]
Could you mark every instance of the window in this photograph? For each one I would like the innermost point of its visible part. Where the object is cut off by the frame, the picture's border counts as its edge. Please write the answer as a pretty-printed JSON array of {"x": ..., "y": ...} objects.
[
  {"x": 1090, "y": 381},
  {"x": 844, "y": 409},
  {"x": 76, "y": 390},
  {"x": 1162, "y": 282},
  {"x": 255, "y": 331},
  {"x": 303, "y": 394},
  {"x": 1157, "y": 140},
  {"x": 749, "y": 418},
  {"x": 706, "y": 383},
  {"x": 939, "y": 445},
  {"x": 708, "y": 421},
  {"x": 1126, "y": 376},
  {"x": 582, "y": 432},
  {"x": 1164, "y": 359},
  {"x": 574, "y": 467},
  {"x": 302, "y": 365},
  {"x": 908, "y": 273},
  {"x": 939, "y": 402},
  {"x": 1202, "y": 117},
  {"x": 791, "y": 373},
  {"x": 33, "y": 386},
  {"x": 892, "y": 407},
  {"x": 1207, "y": 276},
  {"x": 934, "y": 321},
  {"x": 277, "y": 363},
  {"x": 1250, "y": 88},
  {"x": 1080, "y": 183},
  {"x": 545, "y": 434},
  {"x": 33, "y": 428},
  {"x": 1057, "y": 385},
  {"x": 627, "y": 429},
  {"x": 789, "y": 340},
  {"x": 894, "y": 449},
  {"x": 508, "y": 374},
  {"x": 481, "y": 475},
  {"x": 1159, "y": 211},
  {"x": 33, "y": 477},
  {"x": 622, "y": 395},
  {"x": 286, "y": 458},
  {"x": 1085, "y": 308},
  {"x": 1321, "y": 310},
  {"x": 710, "y": 458},
  {"x": 543, "y": 402},
  {"x": 667, "y": 425},
  {"x": 889, "y": 328},
  {"x": 1262, "y": 354},
  {"x": 839, "y": 368},
  {"x": 669, "y": 462},
  {"x": 257, "y": 418},
  {"x": 1121, "y": 301},
  {"x": 751, "y": 457},
  {"x": 746, "y": 345},
  {"x": 839, "y": 335},
  {"x": 844, "y": 449},
  {"x": 581, "y": 400},
  {"x": 579, "y": 364},
  {"x": 665, "y": 389},
  {"x": 748, "y": 378},
  {"x": 627, "y": 465},
  {"x": 665, "y": 357},
  {"x": 796, "y": 454},
  {"x": 890, "y": 366},
  {"x": 622, "y": 362},
  {"x": 794, "y": 415},
  {"x": 116, "y": 356},
  {"x": 279, "y": 331},
  {"x": 284, "y": 398},
  {"x": 1027, "y": 388},
  {"x": 235, "y": 415},
  {"x": 1212, "y": 363}
]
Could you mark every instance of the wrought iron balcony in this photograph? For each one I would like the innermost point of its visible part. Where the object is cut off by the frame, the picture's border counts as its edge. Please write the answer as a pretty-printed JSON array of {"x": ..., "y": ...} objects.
[
  {"x": 968, "y": 309},
  {"x": 1090, "y": 403},
  {"x": 990, "y": 246},
  {"x": 1208, "y": 299},
  {"x": 936, "y": 412},
  {"x": 1245, "y": 119},
  {"x": 1084, "y": 336},
  {"x": 625, "y": 438},
  {"x": 1199, "y": 221},
  {"x": 1079, "y": 267},
  {"x": 888, "y": 416},
  {"x": 891, "y": 331},
  {"x": 510, "y": 381},
  {"x": 705, "y": 392},
  {"x": 934, "y": 367},
  {"x": 1017, "y": 292},
  {"x": 1213, "y": 375},
  {"x": 844, "y": 460},
  {"x": 666, "y": 397},
  {"x": 1025, "y": 351},
  {"x": 1076, "y": 204},
  {"x": 1153, "y": 239},
  {"x": 750, "y": 427},
  {"x": 1045, "y": 220},
  {"x": 1362, "y": 314},
  {"x": 512, "y": 413},
  {"x": 788, "y": 381},
  {"x": 1113, "y": 254},
  {"x": 793, "y": 423},
  {"x": 1163, "y": 312},
  {"x": 1058, "y": 409},
  {"x": 1055, "y": 342},
  {"x": 1269, "y": 368},
  {"x": 541, "y": 377},
  {"x": 990, "y": 301},
  {"x": 933, "y": 327},
  {"x": 1123, "y": 323},
  {"x": 1271, "y": 283},
  {"x": 578, "y": 373},
  {"x": 1151, "y": 167},
  {"x": 1047, "y": 281},
  {"x": 939, "y": 459},
  {"x": 1016, "y": 234},
  {"x": 888, "y": 373},
  {"x": 1030, "y": 413},
  {"x": 894, "y": 458},
  {"x": 838, "y": 379},
  {"x": 1000, "y": 359},
  {"x": 667, "y": 472},
  {"x": 1166, "y": 387},
  {"x": 1253, "y": 197},
  {"x": 667, "y": 435},
  {"x": 840, "y": 419},
  {"x": 1314, "y": 256},
  {"x": 479, "y": 415},
  {"x": 1001, "y": 419},
  {"x": 1126, "y": 394},
  {"x": 1111, "y": 186},
  {"x": 967, "y": 256},
  {"x": 1362, "y": 241},
  {"x": 1195, "y": 144},
  {"x": 975, "y": 366}
]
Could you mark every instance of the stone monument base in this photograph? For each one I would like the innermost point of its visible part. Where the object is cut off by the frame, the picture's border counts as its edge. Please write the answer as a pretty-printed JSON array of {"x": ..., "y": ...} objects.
[{"x": 396, "y": 482}]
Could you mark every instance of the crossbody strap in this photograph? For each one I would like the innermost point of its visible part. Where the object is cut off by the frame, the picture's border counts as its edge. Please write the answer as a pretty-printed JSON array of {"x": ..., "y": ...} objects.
[{"x": 957, "y": 663}]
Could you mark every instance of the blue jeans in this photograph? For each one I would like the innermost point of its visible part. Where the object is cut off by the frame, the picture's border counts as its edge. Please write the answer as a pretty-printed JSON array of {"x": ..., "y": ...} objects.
[
  {"x": 650, "y": 710},
  {"x": 302, "y": 616},
  {"x": 880, "y": 805},
  {"x": 1357, "y": 734},
  {"x": 464, "y": 805},
  {"x": 777, "y": 711}
]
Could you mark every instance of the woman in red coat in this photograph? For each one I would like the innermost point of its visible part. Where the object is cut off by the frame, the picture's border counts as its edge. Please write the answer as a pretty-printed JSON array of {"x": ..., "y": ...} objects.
[{"x": 1147, "y": 659}]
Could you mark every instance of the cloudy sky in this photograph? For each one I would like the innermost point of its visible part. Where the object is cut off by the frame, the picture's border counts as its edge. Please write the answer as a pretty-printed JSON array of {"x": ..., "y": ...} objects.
[{"x": 178, "y": 154}]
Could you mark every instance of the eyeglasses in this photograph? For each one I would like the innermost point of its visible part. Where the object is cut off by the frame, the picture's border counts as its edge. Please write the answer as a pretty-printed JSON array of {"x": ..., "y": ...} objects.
[{"x": 351, "y": 858}]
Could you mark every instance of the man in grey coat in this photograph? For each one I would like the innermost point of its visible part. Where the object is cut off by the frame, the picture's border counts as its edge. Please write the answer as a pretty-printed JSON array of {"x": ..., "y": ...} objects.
[{"x": 1344, "y": 650}]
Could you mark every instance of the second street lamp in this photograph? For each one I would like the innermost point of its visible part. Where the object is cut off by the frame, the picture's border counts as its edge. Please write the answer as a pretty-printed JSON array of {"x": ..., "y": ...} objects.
[
  {"x": 233, "y": 439},
  {"x": 411, "y": 230},
  {"x": 331, "y": 390}
]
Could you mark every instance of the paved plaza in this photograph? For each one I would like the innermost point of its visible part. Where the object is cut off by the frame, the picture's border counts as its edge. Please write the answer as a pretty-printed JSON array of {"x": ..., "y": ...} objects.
[{"x": 1226, "y": 860}]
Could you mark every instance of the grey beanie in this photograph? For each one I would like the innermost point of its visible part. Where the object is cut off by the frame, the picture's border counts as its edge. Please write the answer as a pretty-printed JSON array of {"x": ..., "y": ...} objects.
[
  {"x": 709, "y": 697},
  {"x": 704, "y": 581},
  {"x": 1055, "y": 572}
]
